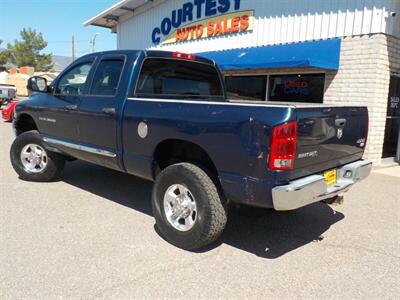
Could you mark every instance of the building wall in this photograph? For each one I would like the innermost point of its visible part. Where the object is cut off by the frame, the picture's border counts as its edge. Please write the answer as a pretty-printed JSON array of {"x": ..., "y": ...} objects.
[
  {"x": 366, "y": 63},
  {"x": 276, "y": 22}
]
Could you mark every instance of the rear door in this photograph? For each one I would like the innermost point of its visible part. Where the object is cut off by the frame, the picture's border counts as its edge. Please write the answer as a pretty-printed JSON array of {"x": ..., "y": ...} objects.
[
  {"x": 98, "y": 112},
  {"x": 329, "y": 137}
]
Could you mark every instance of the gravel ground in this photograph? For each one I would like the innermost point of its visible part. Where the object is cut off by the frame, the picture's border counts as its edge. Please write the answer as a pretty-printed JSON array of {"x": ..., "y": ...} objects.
[{"x": 92, "y": 235}]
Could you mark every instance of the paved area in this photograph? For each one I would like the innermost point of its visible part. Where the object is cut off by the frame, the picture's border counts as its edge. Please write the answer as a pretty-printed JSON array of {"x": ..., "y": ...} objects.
[
  {"x": 91, "y": 235},
  {"x": 392, "y": 171}
]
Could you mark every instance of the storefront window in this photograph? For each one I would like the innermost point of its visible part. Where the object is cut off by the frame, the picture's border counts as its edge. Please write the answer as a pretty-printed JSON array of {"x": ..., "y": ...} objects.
[
  {"x": 246, "y": 87},
  {"x": 286, "y": 88},
  {"x": 297, "y": 88}
]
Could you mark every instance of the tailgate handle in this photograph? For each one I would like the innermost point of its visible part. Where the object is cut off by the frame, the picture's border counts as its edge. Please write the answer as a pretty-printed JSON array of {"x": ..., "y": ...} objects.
[{"x": 340, "y": 122}]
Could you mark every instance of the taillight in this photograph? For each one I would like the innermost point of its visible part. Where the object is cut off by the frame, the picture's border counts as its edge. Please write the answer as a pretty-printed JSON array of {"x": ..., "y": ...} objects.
[
  {"x": 283, "y": 146},
  {"x": 183, "y": 55}
]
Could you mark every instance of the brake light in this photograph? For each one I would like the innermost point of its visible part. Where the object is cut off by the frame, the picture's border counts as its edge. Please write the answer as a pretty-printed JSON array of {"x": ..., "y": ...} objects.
[
  {"x": 283, "y": 146},
  {"x": 183, "y": 55}
]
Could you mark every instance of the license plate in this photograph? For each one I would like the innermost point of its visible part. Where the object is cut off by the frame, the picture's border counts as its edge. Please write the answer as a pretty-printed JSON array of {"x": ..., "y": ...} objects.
[{"x": 330, "y": 177}]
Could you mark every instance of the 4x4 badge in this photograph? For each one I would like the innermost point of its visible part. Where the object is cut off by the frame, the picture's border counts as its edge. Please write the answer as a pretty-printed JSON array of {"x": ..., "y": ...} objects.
[{"x": 339, "y": 133}]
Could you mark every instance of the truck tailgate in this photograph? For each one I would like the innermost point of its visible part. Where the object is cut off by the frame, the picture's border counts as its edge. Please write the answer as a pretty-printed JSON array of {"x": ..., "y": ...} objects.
[{"x": 328, "y": 137}]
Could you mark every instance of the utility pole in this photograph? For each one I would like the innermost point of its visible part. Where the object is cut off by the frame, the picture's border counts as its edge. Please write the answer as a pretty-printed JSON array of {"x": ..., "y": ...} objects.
[
  {"x": 93, "y": 42},
  {"x": 73, "y": 47}
]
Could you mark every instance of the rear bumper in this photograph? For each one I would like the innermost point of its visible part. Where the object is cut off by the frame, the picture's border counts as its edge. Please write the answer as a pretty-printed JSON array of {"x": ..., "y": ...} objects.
[{"x": 313, "y": 188}]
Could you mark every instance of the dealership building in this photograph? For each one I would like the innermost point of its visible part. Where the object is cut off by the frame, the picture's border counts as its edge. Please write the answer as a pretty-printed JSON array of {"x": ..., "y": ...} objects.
[{"x": 342, "y": 52}]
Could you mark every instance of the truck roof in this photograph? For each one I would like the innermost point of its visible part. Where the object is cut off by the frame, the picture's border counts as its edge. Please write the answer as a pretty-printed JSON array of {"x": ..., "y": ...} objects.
[{"x": 155, "y": 54}]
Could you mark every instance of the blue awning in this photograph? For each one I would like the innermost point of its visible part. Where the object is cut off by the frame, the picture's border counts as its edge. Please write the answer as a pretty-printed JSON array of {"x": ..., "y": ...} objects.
[{"x": 318, "y": 54}]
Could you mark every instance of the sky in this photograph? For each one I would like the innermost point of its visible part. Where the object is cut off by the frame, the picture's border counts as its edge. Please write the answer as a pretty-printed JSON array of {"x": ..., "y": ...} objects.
[{"x": 57, "y": 20}]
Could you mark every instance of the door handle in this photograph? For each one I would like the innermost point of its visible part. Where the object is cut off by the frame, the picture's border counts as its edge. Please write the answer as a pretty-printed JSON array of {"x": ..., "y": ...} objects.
[
  {"x": 71, "y": 107},
  {"x": 108, "y": 110}
]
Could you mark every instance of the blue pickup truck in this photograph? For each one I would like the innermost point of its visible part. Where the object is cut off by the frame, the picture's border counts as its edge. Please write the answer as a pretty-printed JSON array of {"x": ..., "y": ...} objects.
[{"x": 165, "y": 116}]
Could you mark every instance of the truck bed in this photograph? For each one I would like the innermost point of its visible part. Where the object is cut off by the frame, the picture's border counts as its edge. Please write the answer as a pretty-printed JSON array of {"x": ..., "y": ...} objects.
[{"x": 328, "y": 136}]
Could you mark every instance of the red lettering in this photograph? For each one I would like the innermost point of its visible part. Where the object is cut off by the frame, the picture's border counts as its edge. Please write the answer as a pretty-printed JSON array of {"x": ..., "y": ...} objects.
[
  {"x": 210, "y": 29},
  {"x": 179, "y": 35},
  {"x": 296, "y": 84},
  {"x": 244, "y": 23},
  {"x": 218, "y": 28},
  {"x": 185, "y": 35},
  {"x": 190, "y": 32},
  {"x": 199, "y": 31},
  {"x": 235, "y": 24},
  {"x": 226, "y": 28}
]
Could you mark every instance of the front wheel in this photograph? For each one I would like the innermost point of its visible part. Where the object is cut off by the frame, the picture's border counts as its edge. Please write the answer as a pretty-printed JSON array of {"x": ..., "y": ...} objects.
[
  {"x": 188, "y": 209},
  {"x": 32, "y": 161}
]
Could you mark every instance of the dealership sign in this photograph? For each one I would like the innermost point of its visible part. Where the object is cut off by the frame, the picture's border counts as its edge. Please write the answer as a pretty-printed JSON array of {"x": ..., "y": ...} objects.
[
  {"x": 220, "y": 25},
  {"x": 203, "y": 18}
]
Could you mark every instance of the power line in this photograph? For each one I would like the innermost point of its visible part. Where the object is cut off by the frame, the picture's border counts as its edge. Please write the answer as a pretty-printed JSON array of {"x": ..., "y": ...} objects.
[
  {"x": 67, "y": 42},
  {"x": 66, "y": 52},
  {"x": 53, "y": 42}
]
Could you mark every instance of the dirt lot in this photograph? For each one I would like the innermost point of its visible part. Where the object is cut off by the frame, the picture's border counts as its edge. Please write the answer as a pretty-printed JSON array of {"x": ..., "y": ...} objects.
[{"x": 92, "y": 235}]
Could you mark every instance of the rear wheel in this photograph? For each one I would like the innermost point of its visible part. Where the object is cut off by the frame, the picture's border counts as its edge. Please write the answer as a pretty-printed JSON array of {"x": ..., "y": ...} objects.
[
  {"x": 188, "y": 209},
  {"x": 32, "y": 161}
]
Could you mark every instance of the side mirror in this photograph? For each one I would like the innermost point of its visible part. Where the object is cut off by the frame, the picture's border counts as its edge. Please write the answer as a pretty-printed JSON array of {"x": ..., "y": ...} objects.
[{"x": 37, "y": 84}]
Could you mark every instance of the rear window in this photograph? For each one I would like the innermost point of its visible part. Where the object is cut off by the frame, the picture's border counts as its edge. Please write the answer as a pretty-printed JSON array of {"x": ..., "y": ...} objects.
[{"x": 168, "y": 78}]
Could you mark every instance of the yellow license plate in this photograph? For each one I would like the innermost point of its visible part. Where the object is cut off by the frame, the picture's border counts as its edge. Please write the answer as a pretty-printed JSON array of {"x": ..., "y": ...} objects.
[{"x": 330, "y": 177}]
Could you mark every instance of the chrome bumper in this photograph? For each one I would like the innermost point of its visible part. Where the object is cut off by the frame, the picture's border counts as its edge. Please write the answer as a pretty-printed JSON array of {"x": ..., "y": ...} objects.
[{"x": 313, "y": 188}]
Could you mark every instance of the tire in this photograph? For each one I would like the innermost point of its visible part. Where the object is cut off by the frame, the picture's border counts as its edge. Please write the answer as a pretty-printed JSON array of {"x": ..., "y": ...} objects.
[
  {"x": 49, "y": 166},
  {"x": 210, "y": 215}
]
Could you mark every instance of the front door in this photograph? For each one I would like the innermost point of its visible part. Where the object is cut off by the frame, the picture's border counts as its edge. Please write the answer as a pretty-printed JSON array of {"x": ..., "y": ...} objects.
[
  {"x": 392, "y": 131},
  {"x": 60, "y": 119},
  {"x": 98, "y": 113}
]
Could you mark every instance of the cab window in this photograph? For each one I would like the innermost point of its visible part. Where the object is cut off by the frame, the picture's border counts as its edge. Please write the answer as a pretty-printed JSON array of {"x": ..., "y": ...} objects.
[
  {"x": 107, "y": 77},
  {"x": 168, "y": 78},
  {"x": 73, "y": 83}
]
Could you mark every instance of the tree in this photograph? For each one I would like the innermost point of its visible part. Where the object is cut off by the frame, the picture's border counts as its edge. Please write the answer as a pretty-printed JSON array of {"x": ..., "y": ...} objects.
[
  {"x": 27, "y": 51},
  {"x": 4, "y": 56}
]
